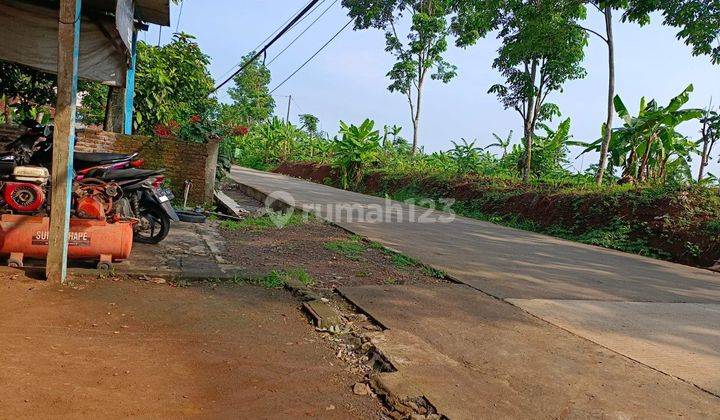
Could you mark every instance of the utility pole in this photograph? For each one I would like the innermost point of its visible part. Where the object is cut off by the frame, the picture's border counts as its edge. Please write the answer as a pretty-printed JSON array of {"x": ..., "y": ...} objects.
[{"x": 287, "y": 117}]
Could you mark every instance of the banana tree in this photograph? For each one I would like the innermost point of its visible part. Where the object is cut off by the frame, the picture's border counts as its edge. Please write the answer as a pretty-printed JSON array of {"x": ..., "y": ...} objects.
[
  {"x": 356, "y": 149},
  {"x": 646, "y": 144},
  {"x": 501, "y": 143}
]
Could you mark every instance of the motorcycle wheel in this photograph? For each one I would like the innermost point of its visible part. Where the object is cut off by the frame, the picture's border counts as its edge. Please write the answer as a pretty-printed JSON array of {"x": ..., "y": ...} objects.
[{"x": 154, "y": 225}]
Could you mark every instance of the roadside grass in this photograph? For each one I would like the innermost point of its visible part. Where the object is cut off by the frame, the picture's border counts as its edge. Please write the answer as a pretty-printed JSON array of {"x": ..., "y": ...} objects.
[
  {"x": 279, "y": 278},
  {"x": 352, "y": 248},
  {"x": 273, "y": 280},
  {"x": 402, "y": 260},
  {"x": 433, "y": 272},
  {"x": 267, "y": 221}
]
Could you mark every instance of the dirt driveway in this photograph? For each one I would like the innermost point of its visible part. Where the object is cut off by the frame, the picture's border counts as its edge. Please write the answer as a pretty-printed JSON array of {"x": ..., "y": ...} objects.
[{"x": 105, "y": 348}]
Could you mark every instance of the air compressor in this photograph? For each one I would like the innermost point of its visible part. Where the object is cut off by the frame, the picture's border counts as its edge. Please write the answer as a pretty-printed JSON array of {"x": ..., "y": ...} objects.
[{"x": 88, "y": 239}]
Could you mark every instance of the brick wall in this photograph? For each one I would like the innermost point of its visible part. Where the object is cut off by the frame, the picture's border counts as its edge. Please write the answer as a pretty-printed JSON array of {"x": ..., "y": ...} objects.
[{"x": 182, "y": 160}]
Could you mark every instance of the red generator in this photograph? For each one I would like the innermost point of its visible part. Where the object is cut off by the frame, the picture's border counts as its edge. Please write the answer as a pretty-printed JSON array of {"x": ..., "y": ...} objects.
[{"x": 95, "y": 240}]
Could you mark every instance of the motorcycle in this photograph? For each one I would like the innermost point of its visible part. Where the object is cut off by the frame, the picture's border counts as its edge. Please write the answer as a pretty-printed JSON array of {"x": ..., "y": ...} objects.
[
  {"x": 106, "y": 185},
  {"x": 143, "y": 199}
]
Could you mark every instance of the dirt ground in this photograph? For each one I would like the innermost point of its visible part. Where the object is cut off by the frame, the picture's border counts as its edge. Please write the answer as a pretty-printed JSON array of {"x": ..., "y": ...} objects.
[
  {"x": 259, "y": 251},
  {"x": 126, "y": 348}
]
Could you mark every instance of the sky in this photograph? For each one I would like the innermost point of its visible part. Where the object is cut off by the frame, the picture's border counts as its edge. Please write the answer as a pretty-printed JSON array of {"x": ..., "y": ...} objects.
[{"x": 347, "y": 80}]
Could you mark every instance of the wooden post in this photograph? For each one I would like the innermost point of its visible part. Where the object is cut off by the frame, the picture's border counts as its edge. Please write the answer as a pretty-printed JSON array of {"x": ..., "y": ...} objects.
[
  {"x": 64, "y": 139},
  {"x": 130, "y": 88},
  {"x": 115, "y": 112}
]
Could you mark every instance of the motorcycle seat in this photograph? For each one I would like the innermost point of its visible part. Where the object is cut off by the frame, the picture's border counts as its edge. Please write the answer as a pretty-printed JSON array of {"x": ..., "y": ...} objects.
[
  {"x": 101, "y": 158},
  {"x": 123, "y": 174}
]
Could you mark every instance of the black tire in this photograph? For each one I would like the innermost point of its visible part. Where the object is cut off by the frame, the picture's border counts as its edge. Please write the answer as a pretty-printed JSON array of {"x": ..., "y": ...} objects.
[
  {"x": 157, "y": 221},
  {"x": 191, "y": 216}
]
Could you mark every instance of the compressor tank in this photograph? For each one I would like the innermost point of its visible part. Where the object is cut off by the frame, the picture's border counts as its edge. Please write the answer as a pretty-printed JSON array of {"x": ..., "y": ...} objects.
[{"x": 27, "y": 236}]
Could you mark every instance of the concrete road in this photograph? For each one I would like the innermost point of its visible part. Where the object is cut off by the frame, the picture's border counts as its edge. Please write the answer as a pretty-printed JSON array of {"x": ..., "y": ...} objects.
[
  {"x": 468, "y": 353},
  {"x": 581, "y": 288}
]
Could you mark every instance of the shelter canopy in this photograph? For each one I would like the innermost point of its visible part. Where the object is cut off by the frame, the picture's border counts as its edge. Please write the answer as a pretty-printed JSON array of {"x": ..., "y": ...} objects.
[{"x": 106, "y": 33}]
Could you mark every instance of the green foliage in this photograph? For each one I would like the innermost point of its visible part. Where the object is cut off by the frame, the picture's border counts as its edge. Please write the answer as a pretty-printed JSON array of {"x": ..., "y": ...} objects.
[
  {"x": 309, "y": 123},
  {"x": 542, "y": 48},
  {"x": 279, "y": 278},
  {"x": 433, "y": 272},
  {"x": 402, "y": 261},
  {"x": 264, "y": 222},
  {"x": 502, "y": 143},
  {"x": 268, "y": 143},
  {"x": 356, "y": 149},
  {"x": 172, "y": 84},
  {"x": 648, "y": 146},
  {"x": 273, "y": 280},
  {"x": 698, "y": 21},
  {"x": 351, "y": 249},
  {"x": 467, "y": 156},
  {"x": 94, "y": 102},
  {"x": 25, "y": 92},
  {"x": 251, "y": 97}
]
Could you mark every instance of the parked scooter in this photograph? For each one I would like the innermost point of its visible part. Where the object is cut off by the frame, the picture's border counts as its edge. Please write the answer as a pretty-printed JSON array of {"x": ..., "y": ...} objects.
[
  {"x": 143, "y": 199},
  {"x": 41, "y": 137}
]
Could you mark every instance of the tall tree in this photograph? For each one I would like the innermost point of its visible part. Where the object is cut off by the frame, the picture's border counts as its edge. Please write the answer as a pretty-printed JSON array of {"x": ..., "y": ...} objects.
[
  {"x": 420, "y": 54},
  {"x": 250, "y": 94},
  {"x": 309, "y": 123},
  {"x": 606, "y": 7},
  {"x": 698, "y": 21},
  {"x": 542, "y": 48}
]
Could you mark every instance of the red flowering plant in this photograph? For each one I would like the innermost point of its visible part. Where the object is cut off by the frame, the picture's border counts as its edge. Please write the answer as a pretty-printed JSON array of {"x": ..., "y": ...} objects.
[
  {"x": 240, "y": 130},
  {"x": 166, "y": 130},
  {"x": 199, "y": 128}
]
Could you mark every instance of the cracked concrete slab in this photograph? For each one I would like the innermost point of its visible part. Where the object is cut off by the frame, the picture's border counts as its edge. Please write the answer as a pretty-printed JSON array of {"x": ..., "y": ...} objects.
[
  {"x": 681, "y": 339},
  {"x": 474, "y": 356}
]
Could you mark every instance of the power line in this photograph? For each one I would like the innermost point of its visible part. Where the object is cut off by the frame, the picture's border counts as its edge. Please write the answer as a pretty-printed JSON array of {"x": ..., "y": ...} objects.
[
  {"x": 177, "y": 27},
  {"x": 288, "y": 20},
  {"x": 268, "y": 45},
  {"x": 302, "y": 33},
  {"x": 273, "y": 33},
  {"x": 313, "y": 56}
]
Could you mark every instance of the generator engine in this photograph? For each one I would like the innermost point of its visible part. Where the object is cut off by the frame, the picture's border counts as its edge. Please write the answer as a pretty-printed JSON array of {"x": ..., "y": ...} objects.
[{"x": 25, "y": 192}]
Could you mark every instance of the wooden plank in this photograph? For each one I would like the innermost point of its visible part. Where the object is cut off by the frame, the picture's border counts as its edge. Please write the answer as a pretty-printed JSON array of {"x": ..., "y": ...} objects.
[
  {"x": 64, "y": 138},
  {"x": 231, "y": 205}
]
